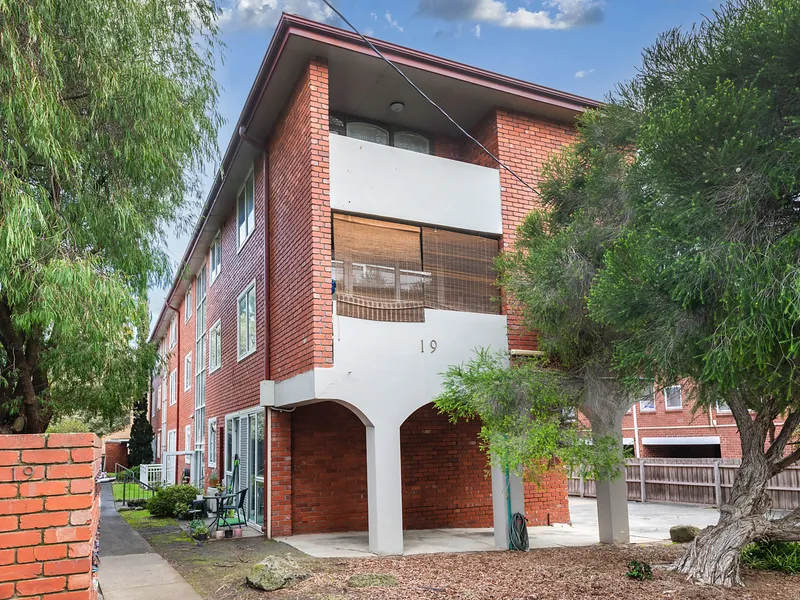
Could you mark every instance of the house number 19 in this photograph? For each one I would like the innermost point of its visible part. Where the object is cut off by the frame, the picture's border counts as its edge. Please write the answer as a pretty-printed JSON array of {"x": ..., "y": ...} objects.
[{"x": 433, "y": 346}]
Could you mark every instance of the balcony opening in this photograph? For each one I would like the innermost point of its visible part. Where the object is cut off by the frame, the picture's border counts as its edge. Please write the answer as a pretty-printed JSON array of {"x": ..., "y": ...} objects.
[
  {"x": 379, "y": 133},
  {"x": 388, "y": 271}
]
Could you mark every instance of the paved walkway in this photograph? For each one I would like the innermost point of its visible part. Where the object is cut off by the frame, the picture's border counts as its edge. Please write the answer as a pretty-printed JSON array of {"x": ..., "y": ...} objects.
[
  {"x": 649, "y": 522},
  {"x": 129, "y": 569}
]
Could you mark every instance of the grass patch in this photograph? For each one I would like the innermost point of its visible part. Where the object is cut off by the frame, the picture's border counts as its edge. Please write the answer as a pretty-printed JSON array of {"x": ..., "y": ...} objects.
[
  {"x": 130, "y": 491},
  {"x": 142, "y": 519},
  {"x": 783, "y": 557}
]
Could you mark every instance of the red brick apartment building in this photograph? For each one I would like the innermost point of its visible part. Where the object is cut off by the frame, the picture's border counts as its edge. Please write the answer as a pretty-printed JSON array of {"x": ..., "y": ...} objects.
[
  {"x": 338, "y": 268},
  {"x": 665, "y": 424}
]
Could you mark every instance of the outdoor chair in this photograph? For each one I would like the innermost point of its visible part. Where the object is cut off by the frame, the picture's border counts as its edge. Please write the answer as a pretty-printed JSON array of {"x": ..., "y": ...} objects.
[{"x": 226, "y": 504}]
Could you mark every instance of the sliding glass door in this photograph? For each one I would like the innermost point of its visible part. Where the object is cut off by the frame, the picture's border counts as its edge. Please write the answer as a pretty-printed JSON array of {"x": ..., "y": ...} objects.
[{"x": 244, "y": 440}]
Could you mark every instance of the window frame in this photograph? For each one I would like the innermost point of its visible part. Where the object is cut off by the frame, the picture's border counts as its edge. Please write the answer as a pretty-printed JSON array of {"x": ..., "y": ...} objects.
[
  {"x": 390, "y": 128},
  {"x": 188, "y": 374},
  {"x": 680, "y": 397},
  {"x": 216, "y": 328},
  {"x": 212, "y": 442},
  {"x": 241, "y": 356},
  {"x": 173, "y": 387},
  {"x": 158, "y": 396},
  {"x": 215, "y": 270},
  {"x": 187, "y": 302},
  {"x": 646, "y": 408},
  {"x": 187, "y": 443},
  {"x": 173, "y": 332},
  {"x": 240, "y": 243},
  {"x": 722, "y": 411}
]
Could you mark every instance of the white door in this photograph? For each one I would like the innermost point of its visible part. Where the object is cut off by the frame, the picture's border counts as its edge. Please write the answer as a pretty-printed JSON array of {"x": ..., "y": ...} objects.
[{"x": 172, "y": 448}]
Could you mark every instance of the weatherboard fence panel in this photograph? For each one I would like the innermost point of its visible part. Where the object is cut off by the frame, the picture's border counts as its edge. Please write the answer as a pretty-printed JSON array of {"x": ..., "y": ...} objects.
[{"x": 700, "y": 481}]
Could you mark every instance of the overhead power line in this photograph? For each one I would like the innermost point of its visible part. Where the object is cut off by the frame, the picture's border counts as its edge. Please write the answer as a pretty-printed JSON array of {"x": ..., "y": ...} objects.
[{"x": 431, "y": 102}]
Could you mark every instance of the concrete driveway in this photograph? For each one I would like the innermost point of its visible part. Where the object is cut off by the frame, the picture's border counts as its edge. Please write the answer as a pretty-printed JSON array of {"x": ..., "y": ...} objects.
[{"x": 649, "y": 522}]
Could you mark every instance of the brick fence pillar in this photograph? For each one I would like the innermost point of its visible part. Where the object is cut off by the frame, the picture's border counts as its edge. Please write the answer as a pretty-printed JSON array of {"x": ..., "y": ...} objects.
[{"x": 49, "y": 513}]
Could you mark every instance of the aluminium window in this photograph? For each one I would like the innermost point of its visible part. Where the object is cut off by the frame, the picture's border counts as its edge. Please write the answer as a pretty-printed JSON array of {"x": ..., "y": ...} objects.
[
  {"x": 158, "y": 397},
  {"x": 647, "y": 403},
  {"x": 212, "y": 442},
  {"x": 173, "y": 387},
  {"x": 215, "y": 347},
  {"x": 187, "y": 372},
  {"x": 723, "y": 407},
  {"x": 188, "y": 304},
  {"x": 387, "y": 271},
  {"x": 187, "y": 443},
  {"x": 245, "y": 211},
  {"x": 173, "y": 333},
  {"x": 246, "y": 321},
  {"x": 215, "y": 259},
  {"x": 672, "y": 397},
  {"x": 379, "y": 133}
]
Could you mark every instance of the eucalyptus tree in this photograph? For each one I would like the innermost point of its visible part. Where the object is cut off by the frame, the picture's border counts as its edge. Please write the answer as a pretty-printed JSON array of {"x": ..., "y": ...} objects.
[
  {"x": 557, "y": 255},
  {"x": 107, "y": 112},
  {"x": 705, "y": 283}
]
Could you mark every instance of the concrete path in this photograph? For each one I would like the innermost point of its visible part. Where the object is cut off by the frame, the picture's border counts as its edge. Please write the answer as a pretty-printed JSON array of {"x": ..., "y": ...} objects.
[
  {"x": 649, "y": 522},
  {"x": 129, "y": 569}
]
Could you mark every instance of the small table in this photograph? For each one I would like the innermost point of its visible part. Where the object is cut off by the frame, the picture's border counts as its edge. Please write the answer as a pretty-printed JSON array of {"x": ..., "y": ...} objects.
[{"x": 224, "y": 504}]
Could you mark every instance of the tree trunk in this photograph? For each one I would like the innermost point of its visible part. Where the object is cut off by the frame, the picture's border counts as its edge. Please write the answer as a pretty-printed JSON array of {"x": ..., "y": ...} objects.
[{"x": 713, "y": 558}]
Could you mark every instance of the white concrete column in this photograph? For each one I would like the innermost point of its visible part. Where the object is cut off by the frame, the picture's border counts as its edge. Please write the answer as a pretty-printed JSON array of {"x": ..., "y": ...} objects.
[
  {"x": 384, "y": 490},
  {"x": 501, "y": 491},
  {"x": 612, "y": 495}
]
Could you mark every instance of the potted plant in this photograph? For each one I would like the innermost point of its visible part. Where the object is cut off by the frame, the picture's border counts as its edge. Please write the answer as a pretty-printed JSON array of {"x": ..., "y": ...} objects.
[
  {"x": 182, "y": 510},
  {"x": 198, "y": 530}
]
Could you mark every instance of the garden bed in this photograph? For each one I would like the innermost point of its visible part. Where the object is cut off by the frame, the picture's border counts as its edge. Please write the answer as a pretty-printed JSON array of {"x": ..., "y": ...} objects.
[{"x": 217, "y": 571}]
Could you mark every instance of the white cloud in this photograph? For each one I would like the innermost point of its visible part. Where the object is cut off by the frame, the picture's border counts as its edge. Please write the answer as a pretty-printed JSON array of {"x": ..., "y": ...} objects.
[
  {"x": 477, "y": 31},
  {"x": 582, "y": 74},
  {"x": 555, "y": 14},
  {"x": 373, "y": 16},
  {"x": 393, "y": 22},
  {"x": 261, "y": 14}
]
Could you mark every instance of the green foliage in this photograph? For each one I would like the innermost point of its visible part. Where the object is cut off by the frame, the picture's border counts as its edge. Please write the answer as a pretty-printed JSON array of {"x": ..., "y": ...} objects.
[
  {"x": 108, "y": 113},
  {"x": 68, "y": 425},
  {"x": 140, "y": 444},
  {"x": 783, "y": 557},
  {"x": 527, "y": 415},
  {"x": 198, "y": 527},
  {"x": 166, "y": 500},
  {"x": 639, "y": 570},
  {"x": 706, "y": 281}
]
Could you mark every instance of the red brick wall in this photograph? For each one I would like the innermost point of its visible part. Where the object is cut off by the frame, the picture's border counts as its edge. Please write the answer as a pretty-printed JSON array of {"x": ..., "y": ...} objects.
[
  {"x": 445, "y": 476},
  {"x": 116, "y": 453},
  {"x": 547, "y": 500},
  {"x": 281, "y": 466},
  {"x": 329, "y": 470},
  {"x": 49, "y": 514},
  {"x": 185, "y": 408},
  {"x": 300, "y": 230}
]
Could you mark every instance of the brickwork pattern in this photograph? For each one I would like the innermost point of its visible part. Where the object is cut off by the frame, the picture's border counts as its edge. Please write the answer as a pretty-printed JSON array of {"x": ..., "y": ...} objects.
[
  {"x": 547, "y": 500},
  {"x": 49, "y": 515},
  {"x": 116, "y": 453},
  {"x": 281, "y": 460}
]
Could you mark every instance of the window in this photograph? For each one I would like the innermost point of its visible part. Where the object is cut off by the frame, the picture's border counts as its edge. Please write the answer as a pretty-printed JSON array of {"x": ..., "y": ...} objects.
[
  {"x": 212, "y": 442},
  {"x": 647, "y": 402},
  {"x": 246, "y": 319},
  {"x": 187, "y": 372},
  {"x": 158, "y": 444},
  {"x": 173, "y": 387},
  {"x": 173, "y": 333},
  {"x": 672, "y": 397},
  {"x": 215, "y": 259},
  {"x": 215, "y": 347},
  {"x": 187, "y": 443},
  {"x": 188, "y": 304},
  {"x": 245, "y": 211},
  {"x": 722, "y": 407},
  {"x": 158, "y": 397},
  {"x": 385, "y": 271},
  {"x": 379, "y": 133}
]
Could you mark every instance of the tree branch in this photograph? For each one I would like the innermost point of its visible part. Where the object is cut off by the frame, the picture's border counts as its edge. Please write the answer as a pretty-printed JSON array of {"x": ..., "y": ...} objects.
[{"x": 790, "y": 425}]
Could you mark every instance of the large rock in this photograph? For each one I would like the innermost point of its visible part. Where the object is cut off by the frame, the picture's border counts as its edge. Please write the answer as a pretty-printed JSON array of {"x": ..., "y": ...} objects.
[
  {"x": 683, "y": 534},
  {"x": 275, "y": 573}
]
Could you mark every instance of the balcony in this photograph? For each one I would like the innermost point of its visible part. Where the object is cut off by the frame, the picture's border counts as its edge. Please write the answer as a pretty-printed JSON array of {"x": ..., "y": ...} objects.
[{"x": 382, "y": 181}]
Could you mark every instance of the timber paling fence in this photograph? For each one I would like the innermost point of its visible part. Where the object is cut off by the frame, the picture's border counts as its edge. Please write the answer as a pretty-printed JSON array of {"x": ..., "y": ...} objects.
[{"x": 703, "y": 481}]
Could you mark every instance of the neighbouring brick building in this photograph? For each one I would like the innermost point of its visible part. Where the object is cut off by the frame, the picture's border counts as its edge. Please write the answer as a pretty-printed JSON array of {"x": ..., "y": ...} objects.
[
  {"x": 341, "y": 265},
  {"x": 665, "y": 424}
]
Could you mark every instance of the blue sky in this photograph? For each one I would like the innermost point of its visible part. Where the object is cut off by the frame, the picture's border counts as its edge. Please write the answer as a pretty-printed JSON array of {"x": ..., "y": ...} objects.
[{"x": 580, "y": 46}]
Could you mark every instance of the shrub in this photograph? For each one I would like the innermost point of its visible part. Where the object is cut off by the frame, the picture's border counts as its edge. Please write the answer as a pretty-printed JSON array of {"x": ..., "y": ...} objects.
[
  {"x": 639, "y": 570},
  {"x": 68, "y": 425},
  {"x": 164, "y": 502},
  {"x": 773, "y": 556}
]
